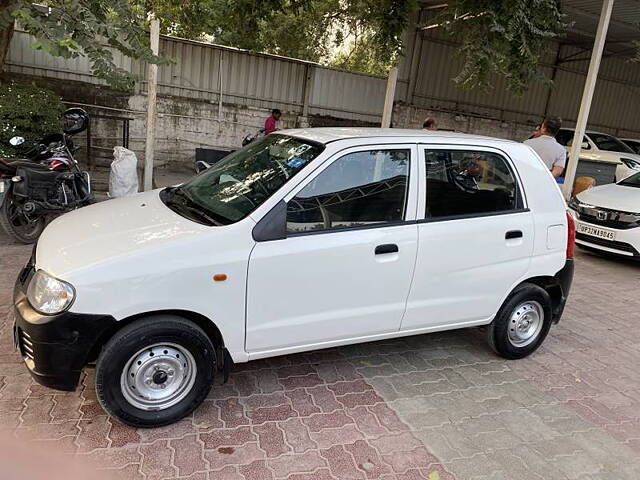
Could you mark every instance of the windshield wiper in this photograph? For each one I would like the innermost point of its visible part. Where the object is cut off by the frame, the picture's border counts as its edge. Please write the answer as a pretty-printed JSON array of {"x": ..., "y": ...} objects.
[{"x": 188, "y": 204}]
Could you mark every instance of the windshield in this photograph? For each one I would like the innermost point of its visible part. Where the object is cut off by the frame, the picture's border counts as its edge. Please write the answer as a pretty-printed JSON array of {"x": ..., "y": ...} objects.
[
  {"x": 239, "y": 183},
  {"x": 609, "y": 143},
  {"x": 632, "y": 181}
]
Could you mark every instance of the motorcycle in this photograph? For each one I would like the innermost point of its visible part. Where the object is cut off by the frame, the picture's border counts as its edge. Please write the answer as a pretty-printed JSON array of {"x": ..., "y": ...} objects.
[{"x": 47, "y": 182}]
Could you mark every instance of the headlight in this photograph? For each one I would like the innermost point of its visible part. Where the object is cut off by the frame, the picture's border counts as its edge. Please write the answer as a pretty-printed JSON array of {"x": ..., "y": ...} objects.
[
  {"x": 633, "y": 164},
  {"x": 48, "y": 295},
  {"x": 575, "y": 204}
]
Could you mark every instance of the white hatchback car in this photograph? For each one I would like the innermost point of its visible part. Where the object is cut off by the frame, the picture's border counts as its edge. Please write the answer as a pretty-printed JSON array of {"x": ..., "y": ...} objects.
[
  {"x": 305, "y": 239},
  {"x": 608, "y": 217}
]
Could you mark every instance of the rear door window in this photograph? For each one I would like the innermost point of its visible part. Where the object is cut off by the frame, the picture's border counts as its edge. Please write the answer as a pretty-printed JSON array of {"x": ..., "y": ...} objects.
[{"x": 468, "y": 182}]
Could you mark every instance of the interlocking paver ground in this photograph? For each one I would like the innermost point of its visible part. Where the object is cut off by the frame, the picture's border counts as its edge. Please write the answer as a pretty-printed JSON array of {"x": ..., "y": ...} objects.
[{"x": 439, "y": 406}]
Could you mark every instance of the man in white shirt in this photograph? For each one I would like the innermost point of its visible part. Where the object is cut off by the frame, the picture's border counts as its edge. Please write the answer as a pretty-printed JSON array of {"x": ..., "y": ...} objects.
[{"x": 544, "y": 143}]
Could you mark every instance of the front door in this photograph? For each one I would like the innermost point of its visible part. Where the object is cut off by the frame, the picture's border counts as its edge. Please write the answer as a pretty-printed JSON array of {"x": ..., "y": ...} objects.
[
  {"x": 345, "y": 268},
  {"x": 475, "y": 238}
]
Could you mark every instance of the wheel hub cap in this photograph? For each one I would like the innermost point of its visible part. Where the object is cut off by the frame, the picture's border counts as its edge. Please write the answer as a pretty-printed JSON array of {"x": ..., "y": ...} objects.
[
  {"x": 526, "y": 323},
  {"x": 158, "y": 377}
]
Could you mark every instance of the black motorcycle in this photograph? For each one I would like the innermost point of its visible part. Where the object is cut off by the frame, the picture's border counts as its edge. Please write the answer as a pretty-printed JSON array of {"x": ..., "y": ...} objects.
[{"x": 47, "y": 182}]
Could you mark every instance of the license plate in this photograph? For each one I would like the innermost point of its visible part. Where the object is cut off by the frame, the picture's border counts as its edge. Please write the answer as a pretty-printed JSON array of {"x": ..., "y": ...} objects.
[{"x": 597, "y": 232}]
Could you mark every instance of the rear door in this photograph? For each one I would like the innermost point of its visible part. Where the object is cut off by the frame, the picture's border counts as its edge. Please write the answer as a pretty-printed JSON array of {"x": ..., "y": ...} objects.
[{"x": 475, "y": 237}]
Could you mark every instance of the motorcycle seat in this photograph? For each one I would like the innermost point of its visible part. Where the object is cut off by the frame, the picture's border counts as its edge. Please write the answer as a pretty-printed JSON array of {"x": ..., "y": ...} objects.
[{"x": 28, "y": 164}]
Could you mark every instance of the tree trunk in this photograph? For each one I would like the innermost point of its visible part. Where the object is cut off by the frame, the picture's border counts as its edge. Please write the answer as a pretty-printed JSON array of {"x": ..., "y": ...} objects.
[
  {"x": 5, "y": 40},
  {"x": 6, "y": 33}
]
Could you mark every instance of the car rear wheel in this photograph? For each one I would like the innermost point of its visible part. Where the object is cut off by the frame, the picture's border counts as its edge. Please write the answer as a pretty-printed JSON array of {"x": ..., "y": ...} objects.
[
  {"x": 522, "y": 323},
  {"x": 155, "y": 371}
]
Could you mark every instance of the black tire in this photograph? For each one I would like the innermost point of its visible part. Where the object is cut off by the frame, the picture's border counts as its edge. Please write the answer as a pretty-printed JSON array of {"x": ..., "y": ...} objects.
[
  {"x": 16, "y": 225},
  {"x": 119, "y": 351},
  {"x": 524, "y": 299}
]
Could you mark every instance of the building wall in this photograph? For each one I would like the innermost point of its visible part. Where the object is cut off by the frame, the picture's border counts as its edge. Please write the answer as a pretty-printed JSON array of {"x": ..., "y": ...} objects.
[{"x": 409, "y": 116}]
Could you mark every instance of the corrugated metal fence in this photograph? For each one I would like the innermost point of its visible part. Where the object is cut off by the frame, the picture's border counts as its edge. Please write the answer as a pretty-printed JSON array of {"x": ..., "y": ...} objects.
[
  {"x": 213, "y": 73},
  {"x": 206, "y": 72}
]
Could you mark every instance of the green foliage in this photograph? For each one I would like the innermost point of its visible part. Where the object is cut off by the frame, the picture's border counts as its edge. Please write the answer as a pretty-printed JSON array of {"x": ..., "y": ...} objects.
[
  {"x": 89, "y": 28},
  {"x": 362, "y": 57},
  {"x": 310, "y": 29},
  {"x": 504, "y": 37},
  {"x": 29, "y": 112}
]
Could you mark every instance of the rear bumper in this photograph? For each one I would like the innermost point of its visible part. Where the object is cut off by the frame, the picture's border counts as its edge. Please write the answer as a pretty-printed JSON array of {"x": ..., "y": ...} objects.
[
  {"x": 55, "y": 348},
  {"x": 564, "y": 279}
]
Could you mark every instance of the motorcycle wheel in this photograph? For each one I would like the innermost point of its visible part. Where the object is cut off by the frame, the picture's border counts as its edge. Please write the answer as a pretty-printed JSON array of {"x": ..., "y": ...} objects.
[{"x": 17, "y": 224}]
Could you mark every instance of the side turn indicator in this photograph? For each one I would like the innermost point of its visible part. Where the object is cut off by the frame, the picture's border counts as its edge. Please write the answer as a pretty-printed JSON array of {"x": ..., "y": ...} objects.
[{"x": 219, "y": 277}]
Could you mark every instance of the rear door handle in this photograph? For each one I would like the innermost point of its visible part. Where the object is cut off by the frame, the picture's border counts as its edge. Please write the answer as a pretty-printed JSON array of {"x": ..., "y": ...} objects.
[
  {"x": 513, "y": 234},
  {"x": 386, "y": 248}
]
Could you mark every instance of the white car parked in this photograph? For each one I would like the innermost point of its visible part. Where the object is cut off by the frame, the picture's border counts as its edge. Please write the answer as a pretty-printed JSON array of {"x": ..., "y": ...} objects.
[
  {"x": 305, "y": 239},
  {"x": 608, "y": 217},
  {"x": 604, "y": 148}
]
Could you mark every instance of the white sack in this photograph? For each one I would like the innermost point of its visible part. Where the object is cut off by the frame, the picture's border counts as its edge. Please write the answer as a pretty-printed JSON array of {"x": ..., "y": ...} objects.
[{"x": 123, "y": 178}]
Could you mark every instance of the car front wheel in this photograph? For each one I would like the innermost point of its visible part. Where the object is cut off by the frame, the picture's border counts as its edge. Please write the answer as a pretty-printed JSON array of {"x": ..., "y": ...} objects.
[
  {"x": 522, "y": 323},
  {"x": 155, "y": 371}
]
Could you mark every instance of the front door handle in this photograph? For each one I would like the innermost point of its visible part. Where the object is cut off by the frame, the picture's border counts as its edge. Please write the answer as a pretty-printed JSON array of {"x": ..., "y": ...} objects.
[
  {"x": 513, "y": 234},
  {"x": 386, "y": 248}
]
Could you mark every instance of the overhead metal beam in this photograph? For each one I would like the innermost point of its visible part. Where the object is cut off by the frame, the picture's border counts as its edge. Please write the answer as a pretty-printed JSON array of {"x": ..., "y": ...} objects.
[{"x": 587, "y": 97}]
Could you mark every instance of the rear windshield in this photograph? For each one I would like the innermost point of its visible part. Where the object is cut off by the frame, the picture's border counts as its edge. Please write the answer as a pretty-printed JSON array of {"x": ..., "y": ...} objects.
[{"x": 239, "y": 183}]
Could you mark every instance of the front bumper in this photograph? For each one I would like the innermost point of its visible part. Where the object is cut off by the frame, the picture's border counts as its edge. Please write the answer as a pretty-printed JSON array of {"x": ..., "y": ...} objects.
[
  {"x": 626, "y": 242},
  {"x": 55, "y": 348}
]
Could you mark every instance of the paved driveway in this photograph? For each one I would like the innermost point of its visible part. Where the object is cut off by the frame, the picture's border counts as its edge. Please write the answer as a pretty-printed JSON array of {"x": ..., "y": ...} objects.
[{"x": 437, "y": 406}]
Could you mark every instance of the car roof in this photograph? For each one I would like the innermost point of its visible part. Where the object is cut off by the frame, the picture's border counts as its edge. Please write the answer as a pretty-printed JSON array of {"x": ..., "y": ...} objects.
[
  {"x": 588, "y": 131},
  {"x": 331, "y": 134}
]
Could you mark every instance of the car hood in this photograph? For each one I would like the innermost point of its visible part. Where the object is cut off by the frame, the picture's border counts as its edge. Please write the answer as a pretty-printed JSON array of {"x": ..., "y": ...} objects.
[
  {"x": 613, "y": 197},
  {"x": 107, "y": 230}
]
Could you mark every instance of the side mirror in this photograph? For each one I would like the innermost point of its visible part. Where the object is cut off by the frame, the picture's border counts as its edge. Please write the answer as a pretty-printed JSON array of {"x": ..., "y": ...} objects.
[
  {"x": 273, "y": 226},
  {"x": 15, "y": 141},
  {"x": 585, "y": 146}
]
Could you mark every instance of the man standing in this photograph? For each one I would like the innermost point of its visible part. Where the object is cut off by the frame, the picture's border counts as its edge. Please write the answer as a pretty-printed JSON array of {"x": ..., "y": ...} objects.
[
  {"x": 429, "y": 124},
  {"x": 271, "y": 123},
  {"x": 545, "y": 145}
]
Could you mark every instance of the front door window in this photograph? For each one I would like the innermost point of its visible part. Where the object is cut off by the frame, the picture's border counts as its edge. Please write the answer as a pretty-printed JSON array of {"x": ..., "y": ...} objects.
[{"x": 359, "y": 189}]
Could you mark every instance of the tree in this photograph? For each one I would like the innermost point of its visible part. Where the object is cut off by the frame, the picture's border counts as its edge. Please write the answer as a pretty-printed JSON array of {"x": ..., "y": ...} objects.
[
  {"x": 73, "y": 28},
  {"x": 504, "y": 37}
]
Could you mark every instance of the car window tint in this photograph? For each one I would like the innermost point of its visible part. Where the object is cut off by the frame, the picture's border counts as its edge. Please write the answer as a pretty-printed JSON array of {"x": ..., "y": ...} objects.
[
  {"x": 358, "y": 189},
  {"x": 464, "y": 182},
  {"x": 609, "y": 143},
  {"x": 565, "y": 138},
  {"x": 635, "y": 146}
]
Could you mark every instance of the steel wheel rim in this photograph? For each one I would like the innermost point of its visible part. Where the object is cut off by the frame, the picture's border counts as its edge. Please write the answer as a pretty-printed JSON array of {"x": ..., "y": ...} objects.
[
  {"x": 158, "y": 377},
  {"x": 525, "y": 323}
]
